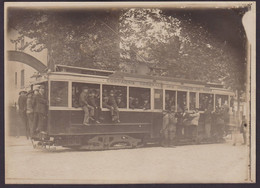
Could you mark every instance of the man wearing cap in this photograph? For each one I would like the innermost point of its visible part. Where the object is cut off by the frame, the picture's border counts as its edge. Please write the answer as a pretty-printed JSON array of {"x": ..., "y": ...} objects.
[
  {"x": 22, "y": 111},
  {"x": 119, "y": 102},
  {"x": 88, "y": 110},
  {"x": 40, "y": 113},
  {"x": 113, "y": 107},
  {"x": 194, "y": 124},
  {"x": 30, "y": 112},
  {"x": 146, "y": 104},
  {"x": 92, "y": 102},
  {"x": 169, "y": 127}
]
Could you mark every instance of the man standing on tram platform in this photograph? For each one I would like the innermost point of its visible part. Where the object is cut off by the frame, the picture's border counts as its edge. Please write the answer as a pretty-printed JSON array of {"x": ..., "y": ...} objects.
[
  {"x": 40, "y": 113},
  {"x": 88, "y": 110},
  {"x": 113, "y": 107},
  {"x": 92, "y": 102}
]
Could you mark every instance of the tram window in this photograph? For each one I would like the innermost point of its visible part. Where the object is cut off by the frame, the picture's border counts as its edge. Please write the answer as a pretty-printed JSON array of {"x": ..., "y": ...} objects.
[
  {"x": 77, "y": 89},
  {"x": 221, "y": 100},
  {"x": 139, "y": 98},
  {"x": 59, "y": 93},
  {"x": 192, "y": 101},
  {"x": 205, "y": 101},
  {"x": 120, "y": 93},
  {"x": 158, "y": 99},
  {"x": 181, "y": 100},
  {"x": 170, "y": 99}
]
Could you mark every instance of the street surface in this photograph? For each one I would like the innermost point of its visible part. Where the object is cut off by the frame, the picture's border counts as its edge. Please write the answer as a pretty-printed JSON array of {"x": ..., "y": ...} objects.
[{"x": 212, "y": 163}]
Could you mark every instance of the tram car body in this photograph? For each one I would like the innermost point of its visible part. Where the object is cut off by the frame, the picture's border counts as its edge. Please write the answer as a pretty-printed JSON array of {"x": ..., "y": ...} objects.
[{"x": 137, "y": 126}]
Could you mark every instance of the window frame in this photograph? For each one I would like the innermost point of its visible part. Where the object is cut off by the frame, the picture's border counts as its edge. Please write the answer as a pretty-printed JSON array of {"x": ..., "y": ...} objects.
[
  {"x": 81, "y": 82},
  {"x": 49, "y": 95},
  {"x": 211, "y": 93},
  {"x": 101, "y": 97}
]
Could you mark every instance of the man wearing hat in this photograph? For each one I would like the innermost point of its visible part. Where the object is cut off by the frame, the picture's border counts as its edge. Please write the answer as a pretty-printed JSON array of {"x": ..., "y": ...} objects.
[
  {"x": 40, "y": 111},
  {"x": 169, "y": 127},
  {"x": 22, "y": 111},
  {"x": 193, "y": 132},
  {"x": 30, "y": 111},
  {"x": 92, "y": 102},
  {"x": 119, "y": 102},
  {"x": 113, "y": 107},
  {"x": 88, "y": 110},
  {"x": 146, "y": 104}
]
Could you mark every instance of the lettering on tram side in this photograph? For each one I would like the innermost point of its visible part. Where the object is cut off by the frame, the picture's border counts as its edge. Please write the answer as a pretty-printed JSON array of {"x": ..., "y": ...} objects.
[
  {"x": 188, "y": 88},
  {"x": 129, "y": 82}
]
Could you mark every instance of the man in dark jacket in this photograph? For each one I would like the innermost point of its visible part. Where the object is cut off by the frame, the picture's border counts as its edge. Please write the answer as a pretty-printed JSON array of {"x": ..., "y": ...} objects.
[
  {"x": 30, "y": 111},
  {"x": 119, "y": 102},
  {"x": 92, "y": 102},
  {"x": 40, "y": 113},
  {"x": 88, "y": 110},
  {"x": 22, "y": 111},
  {"x": 113, "y": 107}
]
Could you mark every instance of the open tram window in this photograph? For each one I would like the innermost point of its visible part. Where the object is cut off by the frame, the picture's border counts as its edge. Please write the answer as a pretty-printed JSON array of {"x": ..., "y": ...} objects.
[
  {"x": 221, "y": 100},
  {"x": 139, "y": 98},
  {"x": 120, "y": 93},
  {"x": 192, "y": 101},
  {"x": 181, "y": 100},
  {"x": 92, "y": 89},
  {"x": 170, "y": 99},
  {"x": 206, "y": 101},
  {"x": 59, "y": 93},
  {"x": 158, "y": 99}
]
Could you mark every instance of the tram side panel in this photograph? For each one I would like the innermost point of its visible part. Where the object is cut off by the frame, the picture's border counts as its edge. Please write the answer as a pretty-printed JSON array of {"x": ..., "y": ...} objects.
[{"x": 70, "y": 122}]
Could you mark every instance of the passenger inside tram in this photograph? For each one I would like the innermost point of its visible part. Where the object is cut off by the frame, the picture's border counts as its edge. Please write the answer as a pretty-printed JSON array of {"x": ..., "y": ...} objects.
[
  {"x": 119, "y": 93},
  {"x": 119, "y": 102},
  {"x": 169, "y": 99},
  {"x": 146, "y": 104},
  {"x": 139, "y": 98},
  {"x": 77, "y": 89}
]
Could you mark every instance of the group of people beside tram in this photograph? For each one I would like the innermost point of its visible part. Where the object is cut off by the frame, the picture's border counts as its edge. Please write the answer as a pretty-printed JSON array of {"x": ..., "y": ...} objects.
[
  {"x": 183, "y": 124},
  {"x": 33, "y": 111}
]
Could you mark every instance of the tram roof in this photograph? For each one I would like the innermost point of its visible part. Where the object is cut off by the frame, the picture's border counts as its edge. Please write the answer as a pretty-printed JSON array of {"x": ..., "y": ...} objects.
[
  {"x": 163, "y": 78},
  {"x": 124, "y": 75}
]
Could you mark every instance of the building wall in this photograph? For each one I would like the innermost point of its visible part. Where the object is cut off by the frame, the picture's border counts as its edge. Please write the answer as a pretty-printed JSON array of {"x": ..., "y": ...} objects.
[{"x": 14, "y": 85}]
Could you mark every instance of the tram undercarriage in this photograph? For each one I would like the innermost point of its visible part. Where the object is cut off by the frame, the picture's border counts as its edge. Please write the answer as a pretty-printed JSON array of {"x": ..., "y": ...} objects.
[{"x": 91, "y": 141}]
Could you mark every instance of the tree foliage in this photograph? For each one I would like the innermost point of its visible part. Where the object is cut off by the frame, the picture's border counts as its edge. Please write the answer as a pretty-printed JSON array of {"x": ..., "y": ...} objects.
[
  {"x": 72, "y": 38},
  {"x": 101, "y": 39}
]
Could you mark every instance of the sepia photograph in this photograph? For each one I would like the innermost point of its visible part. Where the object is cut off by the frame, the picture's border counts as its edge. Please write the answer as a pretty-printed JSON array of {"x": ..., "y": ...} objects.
[{"x": 130, "y": 92}]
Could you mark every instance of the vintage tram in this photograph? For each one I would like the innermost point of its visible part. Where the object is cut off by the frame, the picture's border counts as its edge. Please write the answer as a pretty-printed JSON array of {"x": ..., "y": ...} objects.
[{"x": 137, "y": 125}]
